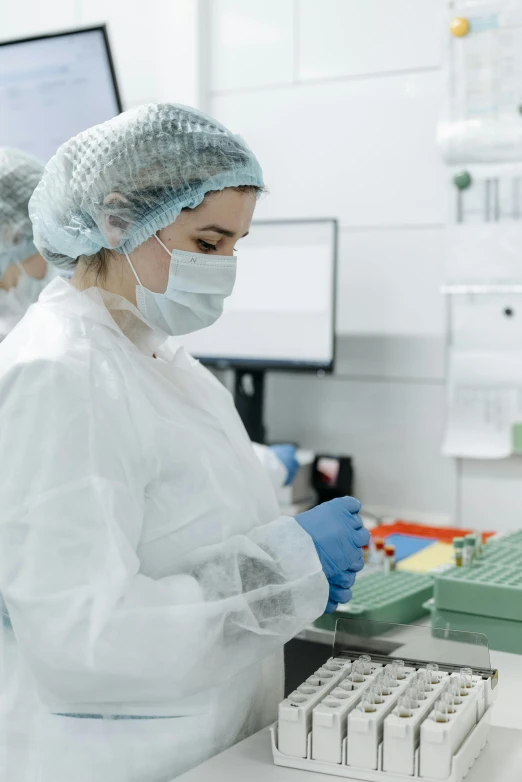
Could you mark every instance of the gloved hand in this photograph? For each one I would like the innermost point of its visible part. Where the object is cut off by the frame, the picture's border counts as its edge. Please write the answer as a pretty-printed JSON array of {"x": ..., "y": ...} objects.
[
  {"x": 338, "y": 534},
  {"x": 287, "y": 456},
  {"x": 339, "y": 591}
]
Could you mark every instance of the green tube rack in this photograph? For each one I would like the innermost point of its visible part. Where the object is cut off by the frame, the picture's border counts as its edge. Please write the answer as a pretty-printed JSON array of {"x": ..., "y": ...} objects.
[
  {"x": 397, "y": 597},
  {"x": 485, "y": 597}
]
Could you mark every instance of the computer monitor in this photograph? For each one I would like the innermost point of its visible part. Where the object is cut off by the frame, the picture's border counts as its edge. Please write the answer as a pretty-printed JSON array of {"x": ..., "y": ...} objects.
[
  {"x": 53, "y": 87},
  {"x": 281, "y": 315}
]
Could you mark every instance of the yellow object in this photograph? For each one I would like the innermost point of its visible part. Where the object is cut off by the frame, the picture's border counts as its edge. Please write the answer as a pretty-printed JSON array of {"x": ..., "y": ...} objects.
[
  {"x": 459, "y": 27},
  {"x": 428, "y": 558}
]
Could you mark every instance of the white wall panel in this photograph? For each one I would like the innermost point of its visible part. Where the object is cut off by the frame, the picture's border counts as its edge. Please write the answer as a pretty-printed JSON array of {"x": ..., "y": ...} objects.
[
  {"x": 383, "y": 277},
  {"x": 357, "y": 37},
  {"x": 155, "y": 50},
  {"x": 361, "y": 151},
  {"x": 251, "y": 43},
  {"x": 491, "y": 494},
  {"x": 34, "y": 17},
  {"x": 393, "y": 431}
]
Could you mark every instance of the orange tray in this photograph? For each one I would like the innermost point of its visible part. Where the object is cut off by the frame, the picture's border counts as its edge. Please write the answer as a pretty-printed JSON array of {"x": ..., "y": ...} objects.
[{"x": 442, "y": 534}]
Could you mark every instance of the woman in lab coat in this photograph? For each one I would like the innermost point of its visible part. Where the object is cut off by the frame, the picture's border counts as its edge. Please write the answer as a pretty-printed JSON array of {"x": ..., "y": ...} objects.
[
  {"x": 23, "y": 271},
  {"x": 149, "y": 577}
]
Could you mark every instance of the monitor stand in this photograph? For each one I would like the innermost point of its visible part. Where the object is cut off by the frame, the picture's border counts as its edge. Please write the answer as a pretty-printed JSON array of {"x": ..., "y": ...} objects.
[{"x": 249, "y": 395}]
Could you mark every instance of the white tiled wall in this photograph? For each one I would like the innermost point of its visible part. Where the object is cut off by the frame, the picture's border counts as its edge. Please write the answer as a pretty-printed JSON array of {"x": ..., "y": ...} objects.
[
  {"x": 155, "y": 46},
  {"x": 31, "y": 17},
  {"x": 340, "y": 100},
  {"x": 363, "y": 151},
  {"x": 256, "y": 40},
  {"x": 392, "y": 429},
  {"x": 339, "y": 38},
  {"x": 378, "y": 271}
]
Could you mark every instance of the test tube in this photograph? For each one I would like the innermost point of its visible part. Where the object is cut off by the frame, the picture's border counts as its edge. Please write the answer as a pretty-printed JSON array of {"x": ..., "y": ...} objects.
[
  {"x": 466, "y": 677},
  {"x": 391, "y": 671},
  {"x": 454, "y": 691},
  {"x": 441, "y": 712},
  {"x": 469, "y": 550},
  {"x": 413, "y": 695},
  {"x": 401, "y": 673},
  {"x": 458, "y": 550},
  {"x": 389, "y": 557},
  {"x": 404, "y": 707},
  {"x": 357, "y": 674},
  {"x": 420, "y": 693},
  {"x": 366, "y": 662},
  {"x": 449, "y": 701},
  {"x": 367, "y": 703},
  {"x": 432, "y": 669},
  {"x": 376, "y": 692},
  {"x": 366, "y": 554},
  {"x": 378, "y": 545},
  {"x": 424, "y": 682}
]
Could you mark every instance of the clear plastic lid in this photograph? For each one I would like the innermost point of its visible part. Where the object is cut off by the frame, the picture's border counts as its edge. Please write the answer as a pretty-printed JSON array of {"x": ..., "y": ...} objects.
[{"x": 413, "y": 645}]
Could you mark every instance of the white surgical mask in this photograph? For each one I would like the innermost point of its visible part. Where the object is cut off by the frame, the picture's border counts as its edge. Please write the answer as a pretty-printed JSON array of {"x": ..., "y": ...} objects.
[{"x": 197, "y": 286}]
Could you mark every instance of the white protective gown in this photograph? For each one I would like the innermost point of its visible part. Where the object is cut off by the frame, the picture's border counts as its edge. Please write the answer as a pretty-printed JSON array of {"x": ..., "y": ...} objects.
[{"x": 142, "y": 560}]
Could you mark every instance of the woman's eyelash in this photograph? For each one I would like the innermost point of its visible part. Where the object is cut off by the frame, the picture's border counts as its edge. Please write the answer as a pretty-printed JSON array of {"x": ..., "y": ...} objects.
[{"x": 207, "y": 245}]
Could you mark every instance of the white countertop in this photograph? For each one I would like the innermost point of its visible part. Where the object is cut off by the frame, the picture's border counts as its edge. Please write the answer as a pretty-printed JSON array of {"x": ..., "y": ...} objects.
[{"x": 251, "y": 761}]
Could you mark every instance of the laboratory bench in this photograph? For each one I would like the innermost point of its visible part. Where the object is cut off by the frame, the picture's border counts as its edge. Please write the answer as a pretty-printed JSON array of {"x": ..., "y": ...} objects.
[{"x": 500, "y": 761}]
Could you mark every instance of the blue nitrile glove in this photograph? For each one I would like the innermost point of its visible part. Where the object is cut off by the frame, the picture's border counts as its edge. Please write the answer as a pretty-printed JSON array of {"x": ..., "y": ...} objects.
[
  {"x": 339, "y": 591},
  {"x": 287, "y": 456},
  {"x": 338, "y": 534}
]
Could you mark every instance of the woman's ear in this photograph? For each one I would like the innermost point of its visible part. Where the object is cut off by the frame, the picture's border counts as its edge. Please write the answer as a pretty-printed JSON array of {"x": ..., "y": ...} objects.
[{"x": 115, "y": 226}]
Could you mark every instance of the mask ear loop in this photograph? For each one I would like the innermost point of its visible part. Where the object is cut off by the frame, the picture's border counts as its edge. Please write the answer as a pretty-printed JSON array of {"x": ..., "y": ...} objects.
[
  {"x": 164, "y": 247},
  {"x": 21, "y": 269},
  {"x": 143, "y": 306},
  {"x": 134, "y": 270}
]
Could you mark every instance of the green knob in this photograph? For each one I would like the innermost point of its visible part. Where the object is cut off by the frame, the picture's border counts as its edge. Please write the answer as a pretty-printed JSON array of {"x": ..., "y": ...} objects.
[{"x": 462, "y": 180}]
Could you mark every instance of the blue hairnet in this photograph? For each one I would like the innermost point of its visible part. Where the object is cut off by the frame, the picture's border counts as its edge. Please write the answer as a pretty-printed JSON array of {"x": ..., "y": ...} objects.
[
  {"x": 19, "y": 175},
  {"x": 136, "y": 172}
]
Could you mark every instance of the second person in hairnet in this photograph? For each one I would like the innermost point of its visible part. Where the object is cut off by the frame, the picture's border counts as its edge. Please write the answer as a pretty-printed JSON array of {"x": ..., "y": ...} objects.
[{"x": 23, "y": 271}]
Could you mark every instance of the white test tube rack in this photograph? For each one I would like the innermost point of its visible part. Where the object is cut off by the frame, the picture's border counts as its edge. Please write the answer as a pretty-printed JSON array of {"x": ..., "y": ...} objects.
[
  {"x": 365, "y": 728},
  {"x": 295, "y": 712},
  {"x": 466, "y": 741},
  {"x": 330, "y": 717},
  {"x": 402, "y": 736},
  {"x": 439, "y": 741}
]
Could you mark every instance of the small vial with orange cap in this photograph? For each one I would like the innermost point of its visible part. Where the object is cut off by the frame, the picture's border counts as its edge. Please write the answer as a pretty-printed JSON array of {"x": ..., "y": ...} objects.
[
  {"x": 389, "y": 557},
  {"x": 378, "y": 545}
]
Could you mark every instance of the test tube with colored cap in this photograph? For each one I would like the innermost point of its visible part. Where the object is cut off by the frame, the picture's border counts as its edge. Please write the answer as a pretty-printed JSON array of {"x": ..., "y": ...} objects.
[
  {"x": 470, "y": 544},
  {"x": 458, "y": 550},
  {"x": 378, "y": 545},
  {"x": 389, "y": 557}
]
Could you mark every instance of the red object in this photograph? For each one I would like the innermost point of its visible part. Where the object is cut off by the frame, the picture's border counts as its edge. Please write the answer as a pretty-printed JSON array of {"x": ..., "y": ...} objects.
[
  {"x": 379, "y": 542},
  {"x": 389, "y": 550},
  {"x": 442, "y": 534}
]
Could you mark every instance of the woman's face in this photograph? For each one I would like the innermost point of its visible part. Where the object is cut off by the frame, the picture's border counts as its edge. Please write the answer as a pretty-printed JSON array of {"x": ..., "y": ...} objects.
[{"x": 212, "y": 228}]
